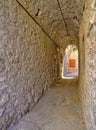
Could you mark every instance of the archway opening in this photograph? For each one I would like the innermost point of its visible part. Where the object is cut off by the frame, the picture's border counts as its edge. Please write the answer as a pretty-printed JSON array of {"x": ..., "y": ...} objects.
[{"x": 70, "y": 62}]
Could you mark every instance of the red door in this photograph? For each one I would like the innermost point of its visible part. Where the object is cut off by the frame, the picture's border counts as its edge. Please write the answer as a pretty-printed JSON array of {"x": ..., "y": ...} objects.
[{"x": 72, "y": 63}]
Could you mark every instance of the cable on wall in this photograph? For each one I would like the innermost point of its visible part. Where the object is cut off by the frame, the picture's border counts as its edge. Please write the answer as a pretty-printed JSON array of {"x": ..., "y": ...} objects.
[
  {"x": 63, "y": 17},
  {"x": 37, "y": 23}
]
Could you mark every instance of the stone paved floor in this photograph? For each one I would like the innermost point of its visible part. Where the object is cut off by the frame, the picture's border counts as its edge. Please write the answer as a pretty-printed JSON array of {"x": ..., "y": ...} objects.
[
  {"x": 74, "y": 74},
  {"x": 59, "y": 109}
]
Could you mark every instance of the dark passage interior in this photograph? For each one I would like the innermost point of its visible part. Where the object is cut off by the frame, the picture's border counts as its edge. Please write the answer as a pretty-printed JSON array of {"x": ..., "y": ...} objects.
[{"x": 34, "y": 35}]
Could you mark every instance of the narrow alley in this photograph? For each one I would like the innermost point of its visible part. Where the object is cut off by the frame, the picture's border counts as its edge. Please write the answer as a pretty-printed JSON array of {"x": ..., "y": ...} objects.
[
  {"x": 47, "y": 64},
  {"x": 59, "y": 109}
]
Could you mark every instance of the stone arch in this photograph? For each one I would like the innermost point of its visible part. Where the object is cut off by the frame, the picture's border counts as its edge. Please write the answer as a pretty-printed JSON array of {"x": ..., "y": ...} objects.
[{"x": 70, "y": 61}]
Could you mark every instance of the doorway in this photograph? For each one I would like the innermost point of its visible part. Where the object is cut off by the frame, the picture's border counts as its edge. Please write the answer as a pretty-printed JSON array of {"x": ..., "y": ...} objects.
[{"x": 70, "y": 62}]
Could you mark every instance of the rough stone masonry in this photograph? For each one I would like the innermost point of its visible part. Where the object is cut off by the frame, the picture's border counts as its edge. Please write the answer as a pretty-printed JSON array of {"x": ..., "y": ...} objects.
[
  {"x": 28, "y": 58},
  {"x": 27, "y": 63},
  {"x": 88, "y": 64}
]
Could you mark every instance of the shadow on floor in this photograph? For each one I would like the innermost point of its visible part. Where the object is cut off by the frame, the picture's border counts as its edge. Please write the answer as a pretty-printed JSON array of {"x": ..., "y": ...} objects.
[{"x": 59, "y": 109}]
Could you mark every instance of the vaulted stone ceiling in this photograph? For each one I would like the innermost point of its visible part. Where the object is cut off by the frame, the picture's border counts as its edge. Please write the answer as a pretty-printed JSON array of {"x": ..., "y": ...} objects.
[{"x": 59, "y": 18}]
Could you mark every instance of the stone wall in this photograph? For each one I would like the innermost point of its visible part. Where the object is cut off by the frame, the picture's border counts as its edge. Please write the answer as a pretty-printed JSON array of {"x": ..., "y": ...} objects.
[
  {"x": 27, "y": 63},
  {"x": 88, "y": 64}
]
